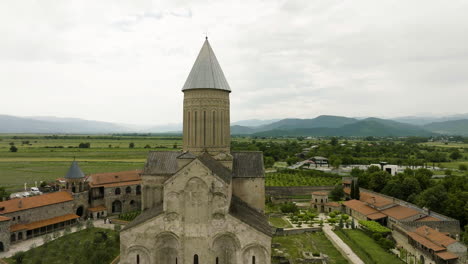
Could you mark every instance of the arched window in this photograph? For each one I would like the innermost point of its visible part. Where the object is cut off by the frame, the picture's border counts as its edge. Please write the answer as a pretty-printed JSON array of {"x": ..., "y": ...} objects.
[
  {"x": 128, "y": 189},
  {"x": 217, "y": 260},
  {"x": 138, "y": 189},
  {"x": 195, "y": 259},
  {"x": 20, "y": 236},
  {"x": 188, "y": 127},
  {"x": 253, "y": 259},
  {"x": 214, "y": 127},
  {"x": 195, "y": 126},
  {"x": 204, "y": 128},
  {"x": 117, "y": 191},
  {"x": 138, "y": 259}
]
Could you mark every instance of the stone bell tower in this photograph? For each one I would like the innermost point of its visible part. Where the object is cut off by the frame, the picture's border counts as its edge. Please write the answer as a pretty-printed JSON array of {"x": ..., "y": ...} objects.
[{"x": 206, "y": 126}]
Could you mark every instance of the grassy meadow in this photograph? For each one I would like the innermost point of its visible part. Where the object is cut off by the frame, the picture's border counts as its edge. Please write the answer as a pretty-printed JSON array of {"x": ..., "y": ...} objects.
[{"x": 46, "y": 157}]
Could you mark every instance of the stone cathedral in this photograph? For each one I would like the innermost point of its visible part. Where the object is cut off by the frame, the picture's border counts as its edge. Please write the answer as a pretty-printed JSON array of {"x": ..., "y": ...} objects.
[{"x": 205, "y": 204}]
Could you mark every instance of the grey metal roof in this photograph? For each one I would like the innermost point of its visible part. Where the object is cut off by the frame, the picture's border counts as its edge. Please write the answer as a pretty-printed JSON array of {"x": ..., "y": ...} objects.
[
  {"x": 247, "y": 164},
  {"x": 161, "y": 163},
  {"x": 216, "y": 167},
  {"x": 206, "y": 72},
  {"x": 145, "y": 216},
  {"x": 244, "y": 212},
  {"x": 74, "y": 172}
]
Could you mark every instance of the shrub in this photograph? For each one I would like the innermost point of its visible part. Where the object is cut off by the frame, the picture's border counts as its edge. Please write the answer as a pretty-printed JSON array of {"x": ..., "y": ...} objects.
[
  {"x": 289, "y": 207},
  {"x": 462, "y": 167},
  {"x": 374, "y": 227},
  {"x": 13, "y": 149},
  {"x": 377, "y": 236}
]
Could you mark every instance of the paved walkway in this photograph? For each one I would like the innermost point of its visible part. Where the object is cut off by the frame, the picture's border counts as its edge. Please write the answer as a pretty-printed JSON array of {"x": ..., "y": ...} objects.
[
  {"x": 344, "y": 248},
  {"x": 38, "y": 241}
]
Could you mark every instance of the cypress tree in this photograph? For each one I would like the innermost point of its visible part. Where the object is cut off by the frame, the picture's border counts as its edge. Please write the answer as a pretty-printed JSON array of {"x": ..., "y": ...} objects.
[
  {"x": 352, "y": 194},
  {"x": 357, "y": 193}
]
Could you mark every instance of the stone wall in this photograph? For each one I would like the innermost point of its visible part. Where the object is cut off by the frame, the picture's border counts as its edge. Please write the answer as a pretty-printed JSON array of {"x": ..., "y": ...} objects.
[
  {"x": 277, "y": 191},
  {"x": 5, "y": 235},
  {"x": 251, "y": 191}
]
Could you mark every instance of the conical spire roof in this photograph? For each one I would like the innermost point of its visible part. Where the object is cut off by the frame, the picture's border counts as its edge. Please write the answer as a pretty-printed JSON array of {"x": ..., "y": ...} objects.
[
  {"x": 74, "y": 172},
  {"x": 206, "y": 72}
]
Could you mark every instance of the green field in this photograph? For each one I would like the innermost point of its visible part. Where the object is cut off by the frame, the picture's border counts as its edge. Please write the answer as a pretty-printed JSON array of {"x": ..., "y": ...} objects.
[
  {"x": 366, "y": 248},
  {"x": 95, "y": 245},
  {"x": 46, "y": 158},
  {"x": 301, "y": 178},
  {"x": 315, "y": 242}
]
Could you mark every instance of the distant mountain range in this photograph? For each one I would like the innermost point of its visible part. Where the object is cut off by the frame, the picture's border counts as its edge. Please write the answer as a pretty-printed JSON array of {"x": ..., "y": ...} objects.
[{"x": 325, "y": 125}]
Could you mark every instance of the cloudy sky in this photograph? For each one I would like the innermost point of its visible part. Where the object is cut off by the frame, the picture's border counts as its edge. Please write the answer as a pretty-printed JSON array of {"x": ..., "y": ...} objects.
[{"x": 126, "y": 61}]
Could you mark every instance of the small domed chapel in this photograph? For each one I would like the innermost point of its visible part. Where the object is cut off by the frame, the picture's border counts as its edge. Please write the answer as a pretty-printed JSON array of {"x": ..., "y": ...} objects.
[{"x": 204, "y": 204}]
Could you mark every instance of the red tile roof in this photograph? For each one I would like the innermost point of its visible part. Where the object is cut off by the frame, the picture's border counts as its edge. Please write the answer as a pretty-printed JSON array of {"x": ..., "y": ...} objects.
[
  {"x": 17, "y": 227},
  {"x": 334, "y": 204},
  {"x": 376, "y": 216},
  {"x": 360, "y": 207},
  {"x": 113, "y": 179},
  {"x": 4, "y": 218},
  {"x": 19, "y": 204},
  {"x": 446, "y": 255},
  {"x": 51, "y": 221},
  {"x": 400, "y": 212},
  {"x": 435, "y": 236},
  {"x": 425, "y": 242}
]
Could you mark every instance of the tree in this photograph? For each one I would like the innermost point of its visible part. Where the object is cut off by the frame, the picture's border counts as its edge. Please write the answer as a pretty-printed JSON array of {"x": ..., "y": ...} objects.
[
  {"x": 4, "y": 194},
  {"x": 13, "y": 149},
  {"x": 289, "y": 207},
  {"x": 378, "y": 180},
  {"x": 462, "y": 167},
  {"x": 353, "y": 190},
  {"x": 147, "y": 146},
  {"x": 131, "y": 145},
  {"x": 84, "y": 145},
  {"x": 357, "y": 192},
  {"x": 175, "y": 145},
  {"x": 337, "y": 193},
  {"x": 455, "y": 154},
  {"x": 433, "y": 198},
  {"x": 269, "y": 162},
  {"x": 334, "y": 141}
]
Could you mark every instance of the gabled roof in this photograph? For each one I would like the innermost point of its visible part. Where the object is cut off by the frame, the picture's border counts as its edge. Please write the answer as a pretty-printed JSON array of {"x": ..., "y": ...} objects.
[
  {"x": 19, "y": 204},
  {"x": 114, "y": 179},
  {"x": 242, "y": 211},
  {"x": 74, "y": 172},
  {"x": 161, "y": 163},
  {"x": 400, "y": 212},
  {"x": 206, "y": 72},
  {"x": 247, "y": 164},
  {"x": 216, "y": 167},
  {"x": 446, "y": 255},
  {"x": 360, "y": 207},
  {"x": 435, "y": 236}
]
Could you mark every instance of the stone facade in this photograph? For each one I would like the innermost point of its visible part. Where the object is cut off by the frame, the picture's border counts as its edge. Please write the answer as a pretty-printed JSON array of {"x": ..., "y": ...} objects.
[
  {"x": 4, "y": 235},
  {"x": 205, "y": 204}
]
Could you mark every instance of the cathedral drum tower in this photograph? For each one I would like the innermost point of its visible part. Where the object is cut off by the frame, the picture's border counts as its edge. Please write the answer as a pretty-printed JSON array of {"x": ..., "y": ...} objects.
[{"x": 204, "y": 204}]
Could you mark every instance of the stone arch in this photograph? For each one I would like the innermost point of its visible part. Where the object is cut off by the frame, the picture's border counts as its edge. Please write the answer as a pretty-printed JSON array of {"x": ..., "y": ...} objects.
[
  {"x": 116, "y": 206},
  {"x": 2, "y": 247},
  {"x": 226, "y": 248},
  {"x": 167, "y": 248},
  {"x": 254, "y": 251},
  {"x": 196, "y": 194},
  {"x": 128, "y": 190},
  {"x": 138, "y": 254},
  {"x": 117, "y": 191},
  {"x": 80, "y": 211},
  {"x": 172, "y": 201},
  {"x": 138, "y": 189},
  {"x": 422, "y": 260}
]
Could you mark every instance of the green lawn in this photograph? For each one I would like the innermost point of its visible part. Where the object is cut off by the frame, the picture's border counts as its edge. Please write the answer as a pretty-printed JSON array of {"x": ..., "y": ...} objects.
[
  {"x": 89, "y": 246},
  {"x": 279, "y": 222},
  {"x": 366, "y": 248},
  {"x": 312, "y": 242}
]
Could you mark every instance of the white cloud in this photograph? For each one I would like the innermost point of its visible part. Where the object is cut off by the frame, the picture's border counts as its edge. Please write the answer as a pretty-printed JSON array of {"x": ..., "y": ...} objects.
[{"x": 126, "y": 61}]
